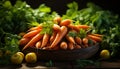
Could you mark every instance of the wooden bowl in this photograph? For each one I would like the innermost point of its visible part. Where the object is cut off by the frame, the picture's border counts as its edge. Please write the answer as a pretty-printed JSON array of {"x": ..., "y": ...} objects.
[{"x": 59, "y": 55}]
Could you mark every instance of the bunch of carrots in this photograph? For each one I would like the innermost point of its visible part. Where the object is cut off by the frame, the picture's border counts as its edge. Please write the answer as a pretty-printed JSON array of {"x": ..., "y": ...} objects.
[{"x": 60, "y": 38}]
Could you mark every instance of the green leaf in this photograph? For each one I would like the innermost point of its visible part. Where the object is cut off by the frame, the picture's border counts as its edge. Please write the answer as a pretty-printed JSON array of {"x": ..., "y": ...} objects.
[
  {"x": 82, "y": 33},
  {"x": 72, "y": 33},
  {"x": 73, "y": 5},
  {"x": 71, "y": 13},
  {"x": 32, "y": 24},
  {"x": 47, "y": 28},
  {"x": 7, "y": 4},
  {"x": 44, "y": 8}
]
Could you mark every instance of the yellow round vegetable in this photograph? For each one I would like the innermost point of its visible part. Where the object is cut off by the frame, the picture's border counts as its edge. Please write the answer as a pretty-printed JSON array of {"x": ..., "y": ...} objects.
[
  {"x": 31, "y": 57},
  {"x": 17, "y": 58},
  {"x": 105, "y": 54}
]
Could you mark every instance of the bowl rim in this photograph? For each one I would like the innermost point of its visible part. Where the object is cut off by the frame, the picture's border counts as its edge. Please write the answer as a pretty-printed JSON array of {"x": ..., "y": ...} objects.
[{"x": 61, "y": 50}]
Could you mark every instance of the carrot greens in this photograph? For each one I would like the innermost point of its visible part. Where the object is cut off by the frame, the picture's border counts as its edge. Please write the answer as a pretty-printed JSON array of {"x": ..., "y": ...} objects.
[{"x": 47, "y": 28}]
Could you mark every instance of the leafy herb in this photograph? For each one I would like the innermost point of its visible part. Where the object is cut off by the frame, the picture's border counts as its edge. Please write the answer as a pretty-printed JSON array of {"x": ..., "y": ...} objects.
[
  {"x": 8, "y": 46},
  {"x": 17, "y": 18},
  {"x": 72, "y": 33},
  {"x": 47, "y": 28},
  {"x": 44, "y": 8},
  {"x": 82, "y": 33},
  {"x": 72, "y": 11},
  {"x": 32, "y": 24}
]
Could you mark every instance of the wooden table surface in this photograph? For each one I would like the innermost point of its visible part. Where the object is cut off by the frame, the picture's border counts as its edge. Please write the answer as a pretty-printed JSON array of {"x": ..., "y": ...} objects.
[{"x": 60, "y": 65}]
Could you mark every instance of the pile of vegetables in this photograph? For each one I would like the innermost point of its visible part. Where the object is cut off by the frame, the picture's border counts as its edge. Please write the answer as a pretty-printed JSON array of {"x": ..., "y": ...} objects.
[
  {"x": 46, "y": 24},
  {"x": 63, "y": 35},
  {"x": 102, "y": 21}
]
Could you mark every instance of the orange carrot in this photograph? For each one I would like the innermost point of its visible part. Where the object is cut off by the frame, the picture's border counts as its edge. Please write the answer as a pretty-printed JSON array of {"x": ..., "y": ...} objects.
[
  {"x": 85, "y": 41},
  {"x": 65, "y": 22},
  {"x": 78, "y": 27},
  {"x": 94, "y": 42},
  {"x": 31, "y": 33},
  {"x": 83, "y": 26},
  {"x": 36, "y": 28},
  {"x": 70, "y": 39},
  {"x": 77, "y": 46},
  {"x": 98, "y": 39},
  {"x": 55, "y": 48},
  {"x": 24, "y": 41},
  {"x": 56, "y": 27},
  {"x": 63, "y": 45},
  {"x": 73, "y": 27},
  {"x": 78, "y": 40},
  {"x": 70, "y": 46},
  {"x": 86, "y": 45},
  {"x": 35, "y": 39},
  {"x": 45, "y": 40},
  {"x": 38, "y": 44},
  {"x": 59, "y": 36},
  {"x": 98, "y": 35},
  {"x": 57, "y": 20},
  {"x": 53, "y": 36}
]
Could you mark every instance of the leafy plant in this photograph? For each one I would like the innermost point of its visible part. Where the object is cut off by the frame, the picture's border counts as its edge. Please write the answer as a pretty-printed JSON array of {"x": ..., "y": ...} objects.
[
  {"x": 102, "y": 22},
  {"x": 8, "y": 46},
  {"x": 17, "y": 18}
]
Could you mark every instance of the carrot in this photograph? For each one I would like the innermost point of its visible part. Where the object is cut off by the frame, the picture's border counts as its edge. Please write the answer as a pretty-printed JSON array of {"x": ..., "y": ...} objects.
[
  {"x": 78, "y": 40},
  {"x": 73, "y": 27},
  {"x": 56, "y": 27},
  {"x": 70, "y": 39},
  {"x": 77, "y": 46},
  {"x": 96, "y": 38},
  {"x": 24, "y": 41},
  {"x": 98, "y": 35},
  {"x": 31, "y": 33},
  {"x": 63, "y": 45},
  {"x": 85, "y": 41},
  {"x": 45, "y": 40},
  {"x": 86, "y": 45},
  {"x": 57, "y": 20},
  {"x": 94, "y": 42},
  {"x": 53, "y": 36},
  {"x": 65, "y": 22},
  {"x": 35, "y": 39},
  {"x": 38, "y": 44},
  {"x": 83, "y": 26},
  {"x": 78, "y": 27},
  {"x": 70, "y": 46},
  {"x": 59, "y": 36},
  {"x": 55, "y": 48},
  {"x": 36, "y": 28}
]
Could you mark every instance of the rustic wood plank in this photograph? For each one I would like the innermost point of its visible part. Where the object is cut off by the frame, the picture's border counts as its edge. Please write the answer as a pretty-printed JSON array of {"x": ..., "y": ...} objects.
[{"x": 58, "y": 65}]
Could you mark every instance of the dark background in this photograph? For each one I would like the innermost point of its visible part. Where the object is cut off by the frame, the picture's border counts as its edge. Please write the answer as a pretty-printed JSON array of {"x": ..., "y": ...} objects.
[{"x": 61, "y": 5}]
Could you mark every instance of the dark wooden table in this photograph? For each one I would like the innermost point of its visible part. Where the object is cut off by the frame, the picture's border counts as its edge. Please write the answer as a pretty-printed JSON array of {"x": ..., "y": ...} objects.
[{"x": 60, "y": 65}]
